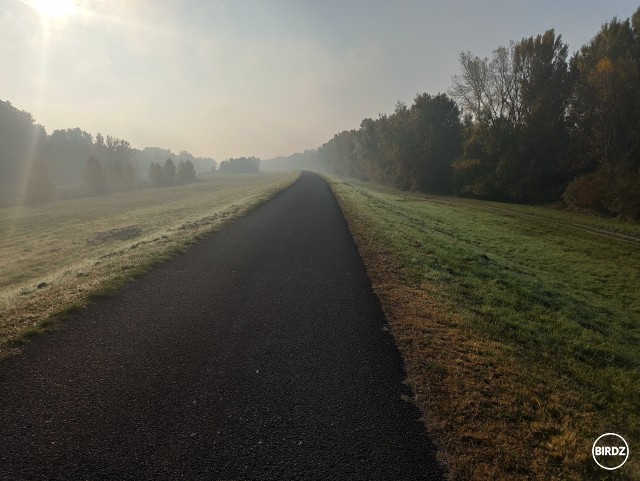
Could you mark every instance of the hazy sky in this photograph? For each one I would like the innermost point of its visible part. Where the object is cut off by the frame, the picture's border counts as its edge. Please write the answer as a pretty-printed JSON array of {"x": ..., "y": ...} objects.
[{"x": 257, "y": 77}]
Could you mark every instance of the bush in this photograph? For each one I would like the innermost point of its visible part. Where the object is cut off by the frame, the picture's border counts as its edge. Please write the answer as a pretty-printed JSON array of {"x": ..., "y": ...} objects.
[
  {"x": 606, "y": 191},
  {"x": 622, "y": 194},
  {"x": 584, "y": 193}
]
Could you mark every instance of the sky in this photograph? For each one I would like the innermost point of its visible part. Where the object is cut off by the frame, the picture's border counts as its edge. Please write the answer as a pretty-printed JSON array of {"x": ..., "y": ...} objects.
[{"x": 222, "y": 78}]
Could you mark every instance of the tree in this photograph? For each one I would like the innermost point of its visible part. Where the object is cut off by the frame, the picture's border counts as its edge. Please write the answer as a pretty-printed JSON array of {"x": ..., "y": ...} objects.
[
  {"x": 128, "y": 176},
  {"x": 605, "y": 118},
  {"x": 117, "y": 157},
  {"x": 94, "y": 177},
  {"x": 517, "y": 135},
  {"x": 20, "y": 141},
  {"x": 185, "y": 172},
  {"x": 367, "y": 149},
  {"x": 437, "y": 135},
  {"x": 115, "y": 174},
  {"x": 67, "y": 151},
  {"x": 339, "y": 154},
  {"x": 487, "y": 89},
  {"x": 535, "y": 170},
  {"x": 169, "y": 171},
  {"x": 397, "y": 146},
  {"x": 240, "y": 165},
  {"x": 156, "y": 175},
  {"x": 413, "y": 148},
  {"x": 39, "y": 184}
]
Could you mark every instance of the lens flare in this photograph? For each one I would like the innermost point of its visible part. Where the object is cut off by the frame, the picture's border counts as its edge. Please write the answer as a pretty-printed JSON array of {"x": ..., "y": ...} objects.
[{"x": 54, "y": 9}]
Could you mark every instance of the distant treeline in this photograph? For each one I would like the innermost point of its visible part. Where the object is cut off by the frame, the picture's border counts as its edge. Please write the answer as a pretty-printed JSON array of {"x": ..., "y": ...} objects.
[
  {"x": 530, "y": 124},
  {"x": 240, "y": 165},
  {"x": 34, "y": 164},
  {"x": 145, "y": 157},
  {"x": 307, "y": 160}
]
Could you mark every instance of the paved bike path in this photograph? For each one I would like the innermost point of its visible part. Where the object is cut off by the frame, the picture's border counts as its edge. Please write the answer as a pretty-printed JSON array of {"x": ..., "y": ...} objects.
[{"x": 259, "y": 354}]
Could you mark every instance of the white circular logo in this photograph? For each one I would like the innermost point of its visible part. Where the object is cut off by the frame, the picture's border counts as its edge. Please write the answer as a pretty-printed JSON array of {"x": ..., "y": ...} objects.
[{"x": 610, "y": 451}]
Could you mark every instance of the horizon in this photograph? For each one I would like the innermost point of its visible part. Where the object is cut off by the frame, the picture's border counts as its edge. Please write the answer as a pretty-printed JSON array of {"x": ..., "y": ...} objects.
[{"x": 228, "y": 80}]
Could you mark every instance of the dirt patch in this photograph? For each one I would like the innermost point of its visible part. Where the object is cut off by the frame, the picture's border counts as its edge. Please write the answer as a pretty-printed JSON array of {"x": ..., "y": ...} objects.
[{"x": 119, "y": 234}]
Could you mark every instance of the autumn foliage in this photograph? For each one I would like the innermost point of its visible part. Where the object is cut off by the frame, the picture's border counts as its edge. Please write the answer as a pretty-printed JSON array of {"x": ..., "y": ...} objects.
[{"x": 531, "y": 124}]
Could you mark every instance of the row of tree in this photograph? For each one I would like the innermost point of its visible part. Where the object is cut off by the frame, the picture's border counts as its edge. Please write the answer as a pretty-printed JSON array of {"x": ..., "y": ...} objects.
[
  {"x": 240, "y": 165},
  {"x": 169, "y": 174},
  {"x": 33, "y": 163},
  {"x": 411, "y": 149},
  {"x": 145, "y": 157},
  {"x": 530, "y": 124}
]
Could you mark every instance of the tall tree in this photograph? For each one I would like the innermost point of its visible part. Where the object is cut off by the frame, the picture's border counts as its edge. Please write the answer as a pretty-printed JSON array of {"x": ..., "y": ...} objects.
[
  {"x": 156, "y": 175},
  {"x": 128, "y": 176},
  {"x": 21, "y": 140},
  {"x": 487, "y": 89},
  {"x": 606, "y": 120},
  {"x": 67, "y": 151},
  {"x": 94, "y": 177},
  {"x": 488, "y": 93},
  {"x": 169, "y": 171},
  {"x": 544, "y": 83},
  {"x": 367, "y": 149},
  {"x": 185, "y": 172},
  {"x": 517, "y": 134},
  {"x": 435, "y": 122},
  {"x": 40, "y": 186}
]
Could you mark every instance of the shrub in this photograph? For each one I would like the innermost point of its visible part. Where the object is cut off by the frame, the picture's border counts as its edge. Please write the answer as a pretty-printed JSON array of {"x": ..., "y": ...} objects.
[{"x": 584, "y": 193}]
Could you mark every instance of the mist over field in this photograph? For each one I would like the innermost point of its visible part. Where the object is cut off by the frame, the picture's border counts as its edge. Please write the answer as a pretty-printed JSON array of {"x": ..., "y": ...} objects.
[
  {"x": 484, "y": 158},
  {"x": 540, "y": 110}
]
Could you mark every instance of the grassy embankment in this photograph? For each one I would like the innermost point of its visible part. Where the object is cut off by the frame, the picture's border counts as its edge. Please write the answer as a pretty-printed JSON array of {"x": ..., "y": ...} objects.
[
  {"x": 55, "y": 257},
  {"x": 520, "y": 330}
]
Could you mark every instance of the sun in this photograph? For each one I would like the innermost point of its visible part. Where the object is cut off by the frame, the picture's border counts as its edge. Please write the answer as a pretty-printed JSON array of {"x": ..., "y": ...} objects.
[{"x": 54, "y": 9}]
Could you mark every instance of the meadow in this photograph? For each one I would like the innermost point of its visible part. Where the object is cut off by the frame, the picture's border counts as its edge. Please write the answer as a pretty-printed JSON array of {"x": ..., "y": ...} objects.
[
  {"x": 519, "y": 326},
  {"x": 57, "y": 256}
]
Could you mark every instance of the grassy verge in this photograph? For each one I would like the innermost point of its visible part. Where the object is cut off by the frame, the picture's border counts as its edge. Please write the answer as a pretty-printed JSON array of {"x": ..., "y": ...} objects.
[
  {"x": 520, "y": 334},
  {"x": 56, "y": 257}
]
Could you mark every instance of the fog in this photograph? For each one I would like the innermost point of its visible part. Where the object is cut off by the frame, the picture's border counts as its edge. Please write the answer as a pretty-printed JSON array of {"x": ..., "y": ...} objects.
[{"x": 230, "y": 79}]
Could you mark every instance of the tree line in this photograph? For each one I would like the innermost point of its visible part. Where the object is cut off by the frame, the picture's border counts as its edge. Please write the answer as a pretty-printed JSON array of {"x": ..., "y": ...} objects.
[
  {"x": 240, "y": 165},
  {"x": 169, "y": 174},
  {"x": 36, "y": 167},
  {"x": 531, "y": 124}
]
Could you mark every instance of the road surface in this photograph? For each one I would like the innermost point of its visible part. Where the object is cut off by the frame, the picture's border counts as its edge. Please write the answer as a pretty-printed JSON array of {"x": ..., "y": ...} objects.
[{"x": 259, "y": 354}]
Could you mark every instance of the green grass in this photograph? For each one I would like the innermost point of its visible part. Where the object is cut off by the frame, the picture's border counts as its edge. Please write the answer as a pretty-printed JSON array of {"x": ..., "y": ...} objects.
[
  {"x": 55, "y": 257},
  {"x": 560, "y": 306}
]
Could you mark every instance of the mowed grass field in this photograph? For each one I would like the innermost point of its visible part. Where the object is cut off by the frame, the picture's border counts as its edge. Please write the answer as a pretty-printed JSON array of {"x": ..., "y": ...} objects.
[
  {"x": 55, "y": 257},
  {"x": 519, "y": 326}
]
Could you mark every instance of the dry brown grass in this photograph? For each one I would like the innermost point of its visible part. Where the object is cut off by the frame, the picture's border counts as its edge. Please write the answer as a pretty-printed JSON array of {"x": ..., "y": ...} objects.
[{"x": 491, "y": 414}]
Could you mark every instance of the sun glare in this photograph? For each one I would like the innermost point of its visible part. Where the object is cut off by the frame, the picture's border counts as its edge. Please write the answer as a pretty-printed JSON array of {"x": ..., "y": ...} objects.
[{"x": 54, "y": 9}]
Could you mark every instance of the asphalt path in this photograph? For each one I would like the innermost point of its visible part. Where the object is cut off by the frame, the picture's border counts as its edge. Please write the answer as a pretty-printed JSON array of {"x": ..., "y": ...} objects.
[{"x": 259, "y": 354}]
